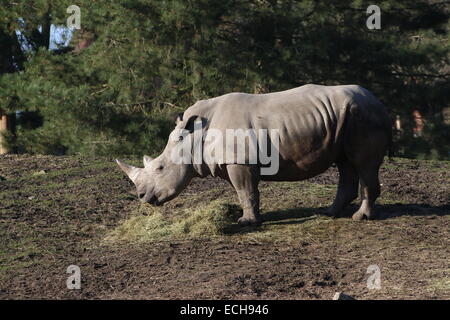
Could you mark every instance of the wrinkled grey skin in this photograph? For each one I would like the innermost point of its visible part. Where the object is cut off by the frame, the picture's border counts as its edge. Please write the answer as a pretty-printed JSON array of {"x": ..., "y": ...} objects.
[{"x": 319, "y": 126}]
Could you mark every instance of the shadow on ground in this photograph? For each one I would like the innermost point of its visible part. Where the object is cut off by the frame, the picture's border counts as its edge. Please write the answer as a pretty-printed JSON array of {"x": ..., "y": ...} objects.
[
  {"x": 388, "y": 211},
  {"x": 301, "y": 215},
  {"x": 290, "y": 216}
]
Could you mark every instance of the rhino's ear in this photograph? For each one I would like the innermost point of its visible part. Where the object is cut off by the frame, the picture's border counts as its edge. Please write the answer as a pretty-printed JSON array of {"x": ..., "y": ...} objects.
[
  {"x": 147, "y": 161},
  {"x": 179, "y": 118},
  {"x": 132, "y": 172},
  {"x": 194, "y": 122}
]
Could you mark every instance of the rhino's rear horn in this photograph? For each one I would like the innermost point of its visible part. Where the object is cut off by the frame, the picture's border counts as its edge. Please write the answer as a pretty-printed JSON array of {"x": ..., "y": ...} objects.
[
  {"x": 147, "y": 161},
  {"x": 131, "y": 171}
]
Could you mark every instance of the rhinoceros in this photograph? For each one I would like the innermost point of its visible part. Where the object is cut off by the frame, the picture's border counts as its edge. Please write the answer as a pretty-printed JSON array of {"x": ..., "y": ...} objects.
[{"x": 317, "y": 126}]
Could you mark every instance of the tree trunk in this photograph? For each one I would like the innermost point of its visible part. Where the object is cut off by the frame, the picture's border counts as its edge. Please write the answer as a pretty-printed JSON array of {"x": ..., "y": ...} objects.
[{"x": 4, "y": 126}]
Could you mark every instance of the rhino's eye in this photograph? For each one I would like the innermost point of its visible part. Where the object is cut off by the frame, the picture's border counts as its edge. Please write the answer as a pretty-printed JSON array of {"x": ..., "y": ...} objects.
[
  {"x": 180, "y": 138},
  {"x": 159, "y": 168}
]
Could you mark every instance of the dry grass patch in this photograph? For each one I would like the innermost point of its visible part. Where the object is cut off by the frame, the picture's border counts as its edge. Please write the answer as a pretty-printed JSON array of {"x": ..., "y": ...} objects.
[{"x": 150, "y": 223}]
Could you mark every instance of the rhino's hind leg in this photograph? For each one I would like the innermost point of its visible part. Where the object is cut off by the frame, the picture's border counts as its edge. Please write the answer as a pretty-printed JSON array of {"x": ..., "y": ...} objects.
[
  {"x": 370, "y": 190},
  {"x": 245, "y": 180},
  {"x": 347, "y": 188},
  {"x": 366, "y": 142}
]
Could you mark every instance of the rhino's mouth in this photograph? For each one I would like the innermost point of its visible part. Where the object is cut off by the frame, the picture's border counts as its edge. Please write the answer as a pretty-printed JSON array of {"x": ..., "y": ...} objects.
[
  {"x": 154, "y": 201},
  {"x": 159, "y": 200}
]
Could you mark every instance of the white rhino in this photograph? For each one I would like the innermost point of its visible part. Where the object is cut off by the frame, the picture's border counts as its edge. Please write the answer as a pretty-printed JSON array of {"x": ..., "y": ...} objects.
[{"x": 317, "y": 125}]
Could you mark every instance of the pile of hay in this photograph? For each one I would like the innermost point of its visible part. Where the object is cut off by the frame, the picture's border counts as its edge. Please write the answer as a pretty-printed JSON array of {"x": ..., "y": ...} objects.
[{"x": 148, "y": 223}]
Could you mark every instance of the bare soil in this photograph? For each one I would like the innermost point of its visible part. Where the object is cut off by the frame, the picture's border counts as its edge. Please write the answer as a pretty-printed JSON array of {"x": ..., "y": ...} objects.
[{"x": 55, "y": 211}]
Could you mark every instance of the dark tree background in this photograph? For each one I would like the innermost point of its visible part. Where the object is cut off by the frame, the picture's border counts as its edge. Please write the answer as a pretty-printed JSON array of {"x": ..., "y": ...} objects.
[{"x": 136, "y": 63}]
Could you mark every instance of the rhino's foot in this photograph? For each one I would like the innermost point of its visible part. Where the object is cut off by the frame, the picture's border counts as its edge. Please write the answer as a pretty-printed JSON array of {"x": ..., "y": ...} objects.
[
  {"x": 361, "y": 215},
  {"x": 245, "y": 221},
  {"x": 358, "y": 216}
]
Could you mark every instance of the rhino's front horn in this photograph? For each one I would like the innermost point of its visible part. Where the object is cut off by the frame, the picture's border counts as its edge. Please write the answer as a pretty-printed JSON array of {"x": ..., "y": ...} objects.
[{"x": 131, "y": 171}]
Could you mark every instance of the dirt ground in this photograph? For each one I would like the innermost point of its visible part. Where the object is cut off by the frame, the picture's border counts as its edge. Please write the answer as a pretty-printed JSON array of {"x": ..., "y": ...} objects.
[{"x": 55, "y": 211}]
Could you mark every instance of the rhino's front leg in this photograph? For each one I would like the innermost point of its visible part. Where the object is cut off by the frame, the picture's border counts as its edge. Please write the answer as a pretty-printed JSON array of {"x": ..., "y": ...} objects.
[{"x": 245, "y": 180}]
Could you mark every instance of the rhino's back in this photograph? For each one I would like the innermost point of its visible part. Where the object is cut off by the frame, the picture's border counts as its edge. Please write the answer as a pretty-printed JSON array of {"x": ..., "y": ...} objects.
[{"x": 307, "y": 107}]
